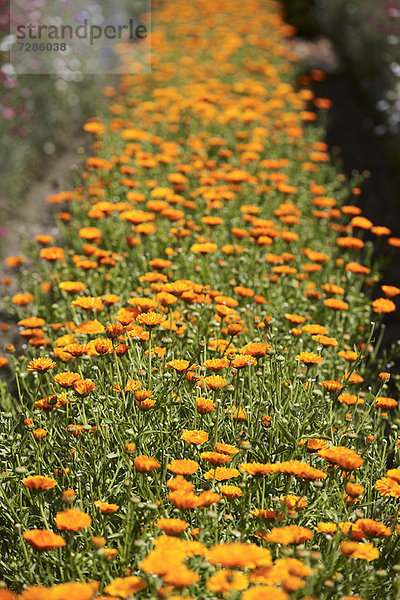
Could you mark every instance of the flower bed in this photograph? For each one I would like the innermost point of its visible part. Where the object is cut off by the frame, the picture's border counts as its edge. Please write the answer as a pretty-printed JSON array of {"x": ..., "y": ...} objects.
[{"x": 199, "y": 411}]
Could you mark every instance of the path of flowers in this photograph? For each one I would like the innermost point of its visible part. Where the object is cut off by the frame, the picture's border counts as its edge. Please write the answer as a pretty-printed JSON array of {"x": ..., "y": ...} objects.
[{"x": 198, "y": 411}]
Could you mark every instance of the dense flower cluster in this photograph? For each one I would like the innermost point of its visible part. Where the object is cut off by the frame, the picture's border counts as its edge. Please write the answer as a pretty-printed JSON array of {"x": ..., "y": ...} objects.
[{"x": 197, "y": 409}]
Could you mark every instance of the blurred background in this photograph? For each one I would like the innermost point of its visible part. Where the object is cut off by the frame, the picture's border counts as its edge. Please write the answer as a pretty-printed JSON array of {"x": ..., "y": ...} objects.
[{"x": 356, "y": 42}]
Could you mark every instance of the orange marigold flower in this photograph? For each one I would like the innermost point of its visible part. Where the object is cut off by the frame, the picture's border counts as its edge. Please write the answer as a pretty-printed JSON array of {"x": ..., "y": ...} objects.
[
  {"x": 52, "y": 253},
  {"x": 239, "y": 556},
  {"x": 369, "y": 528},
  {"x": 130, "y": 447},
  {"x": 82, "y": 387},
  {"x": 346, "y": 458},
  {"x": 231, "y": 491},
  {"x": 105, "y": 508},
  {"x": 365, "y": 551},
  {"x": 309, "y": 358},
  {"x": 293, "y": 502},
  {"x": 299, "y": 469},
  {"x": 353, "y": 267},
  {"x": 244, "y": 360},
  {"x": 350, "y": 242},
  {"x": 145, "y": 464},
  {"x": 257, "y": 469},
  {"x": 348, "y": 355},
  {"x": 383, "y": 305},
  {"x": 141, "y": 395},
  {"x": 90, "y": 233},
  {"x": 361, "y": 222},
  {"x": 172, "y": 526},
  {"x": 256, "y": 349},
  {"x": 43, "y": 539},
  {"x": 150, "y": 319},
  {"x": 383, "y": 376},
  {"x": 354, "y": 489},
  {"x": 385, "y": 403},
  {"x": 125, "y": 587},
  {"x": 216, "y": 364},
  {"x": 15, "y": 261},
  {"x": 67, "y": 379},
  {"x": 386, "y": 486},
  {"x": 225, "y": 448},
  {"x": 114, "y": 330},
  {"x": 336, "y": 304},
  {"x": 194, "y": 436},
  {"x": 221, "y": 473},
  {"x": 98, "y": 541},
  {"x": 208, "y": 497},
  {"x": 236, "y": 413},
  {"x": 353, "y": 378},
  {"x": 224, "y": 582},
  {"x": 205, "y": 405},
  {"x": 293, "y": 318},
  {"x": 62, "y": 591},
  {"x": 184, "y": 499},
  {"x": 101, "y": 346},
  {"x": 39, "y": 482},
  {"x": 68, "y": 496},
  {"x": 234, "y": 329},
  {"x": 327, "y": 528},
  {"x": 215, "y": 382},
  {"x": 331, "y": 288},
  {"x": 183, "y": 466},
  {"x": 380, "y": 230},
  {"x": 350, "y": 399},
  {"x": 180, "y": 577},
  {"x": 266, "y": 420},
  {"x": 31, "y": 322},
  {"x": 109, "y": 553},
  {"x": 41, "y": 365},
  {"x": 313, "y": 444},
  {"x": 72, "y": 287},
  {"x": 331, "y": 385},
  {"x": 39, "y": 434},
  {"x": 314, "y": 329},
  {"x": 291, "y": 534},
  {"x": 203, "y": 248},
  {"x": 268, "y": 515},
  {"x": 90, "y": 327},
  {"x": 389, "y": 290},
  {"x": 110, "y": 299},
  {"x": 72, "y": 520},
  {"x": 179, "y": 365},
  {"x": 264, "y": 592},
  {"x": 180, "y": 483},
  {"x": 216, "y": 458},
  {"x": 244, "y": 291},
  {"x": 75, "y": 350},
  {"x": 328, "y": 342}
]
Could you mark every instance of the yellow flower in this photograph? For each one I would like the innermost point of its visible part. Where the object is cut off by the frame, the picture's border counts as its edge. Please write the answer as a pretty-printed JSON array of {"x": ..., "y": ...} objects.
[
  {"x": 225, "y": 581},
  {"x": 309, "y": 358},
  {"x": 123, "y": 587},
  {"x": 150, "y": 319},
  {"x": 194, "y": 436}
]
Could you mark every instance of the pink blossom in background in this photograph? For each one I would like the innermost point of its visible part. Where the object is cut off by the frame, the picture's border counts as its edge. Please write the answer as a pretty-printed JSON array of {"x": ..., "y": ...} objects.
[{"x": 8, "y": 113}]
